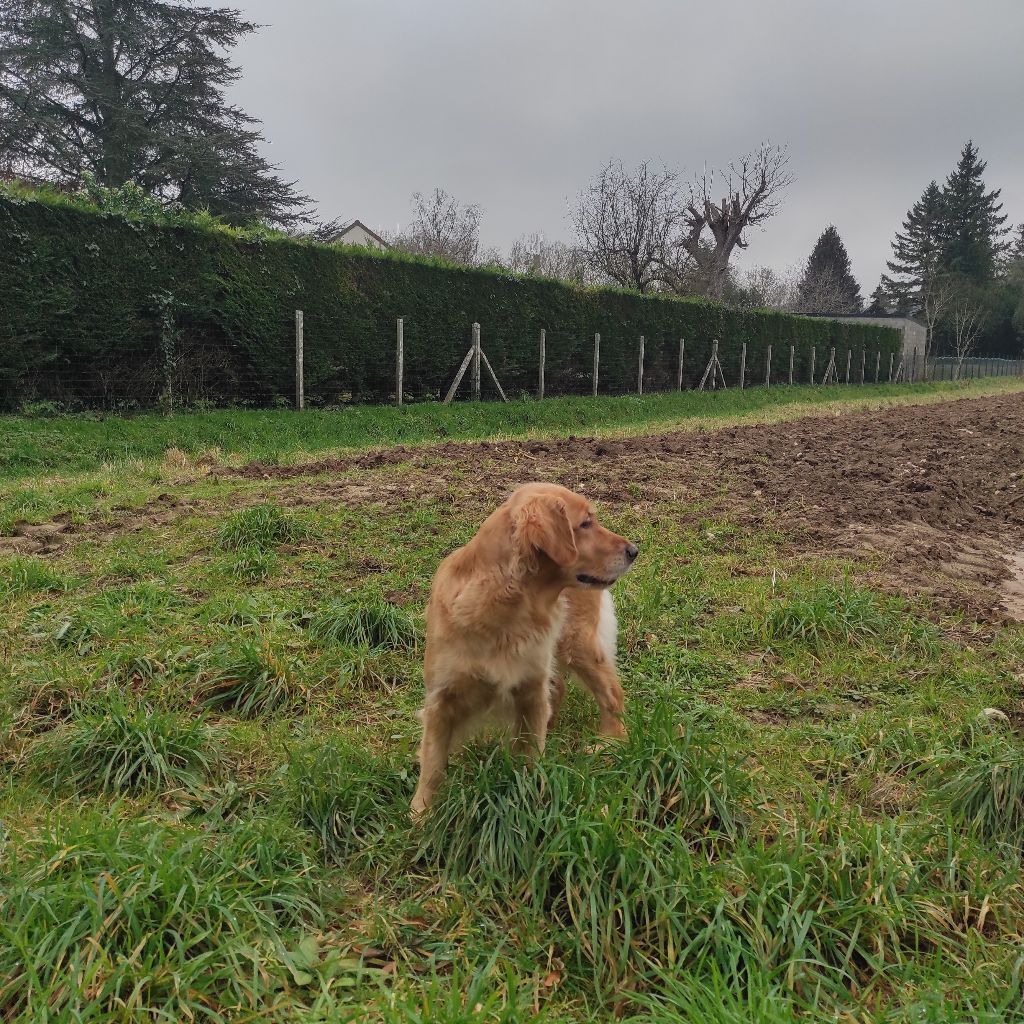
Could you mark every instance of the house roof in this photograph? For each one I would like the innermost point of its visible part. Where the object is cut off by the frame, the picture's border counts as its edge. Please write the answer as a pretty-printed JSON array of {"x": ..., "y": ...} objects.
[{"x": 359, "y": 224}]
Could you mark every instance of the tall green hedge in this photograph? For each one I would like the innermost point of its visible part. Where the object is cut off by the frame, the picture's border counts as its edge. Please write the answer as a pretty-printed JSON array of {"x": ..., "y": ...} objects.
[{"x": 103, "y": 310}]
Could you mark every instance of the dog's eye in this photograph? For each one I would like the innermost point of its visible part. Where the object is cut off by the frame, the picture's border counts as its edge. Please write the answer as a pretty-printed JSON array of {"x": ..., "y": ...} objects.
[{"x": 586, "y": 524}]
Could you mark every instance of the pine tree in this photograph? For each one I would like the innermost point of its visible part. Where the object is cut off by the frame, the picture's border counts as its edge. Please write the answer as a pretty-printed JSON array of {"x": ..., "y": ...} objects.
[
  {"x": 132, "y": 91},
  {"x": 879, "y": 305},
  {"x": 973, "y": 232},
  {"x": 828, "y": 285},
  {"x": 1015, "y": 247},
  {"x": 917, "y": 252}
]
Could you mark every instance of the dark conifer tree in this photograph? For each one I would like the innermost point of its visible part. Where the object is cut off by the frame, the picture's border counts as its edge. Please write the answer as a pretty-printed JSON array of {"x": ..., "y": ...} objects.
[
  {"x": 828, "y": 285},
  {"x": 916, "y": 252},
  {"x": 973, "y": 232},
  {"x": 133, "y": 91}
]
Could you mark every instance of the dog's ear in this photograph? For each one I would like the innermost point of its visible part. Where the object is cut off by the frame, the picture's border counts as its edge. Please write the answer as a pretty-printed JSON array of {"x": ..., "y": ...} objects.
[{"x": 543, "y": 524}]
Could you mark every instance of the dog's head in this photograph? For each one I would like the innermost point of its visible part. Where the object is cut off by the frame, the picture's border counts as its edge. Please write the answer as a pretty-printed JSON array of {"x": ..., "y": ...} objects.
[{"x": 558, "y": 528}]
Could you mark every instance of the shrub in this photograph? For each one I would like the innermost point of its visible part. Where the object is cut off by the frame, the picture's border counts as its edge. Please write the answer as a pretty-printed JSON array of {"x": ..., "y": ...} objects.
[{"x": 92, "y": 295}]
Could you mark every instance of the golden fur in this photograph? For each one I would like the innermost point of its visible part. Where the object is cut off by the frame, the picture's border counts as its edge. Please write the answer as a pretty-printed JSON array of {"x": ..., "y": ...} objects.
[{"x": 524, "y": 594}]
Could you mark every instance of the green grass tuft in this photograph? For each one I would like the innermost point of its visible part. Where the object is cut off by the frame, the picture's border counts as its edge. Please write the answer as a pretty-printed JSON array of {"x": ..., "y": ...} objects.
[
  {"x": 22, "y": 575},
  {"x": 982, "y": 785},
  {"x": 249, "y": 680},
  {"x": 366, "y": 623},
  {"x": 355, "y": 803},
  {"x": 114, "y": 747},
  {"x": 259, "y": 529},
  {"x": 827, "y": 615}
]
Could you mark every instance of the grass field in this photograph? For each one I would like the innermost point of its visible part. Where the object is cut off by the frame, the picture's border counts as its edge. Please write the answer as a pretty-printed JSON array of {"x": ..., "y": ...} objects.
[{"x": 207, "y": 748}]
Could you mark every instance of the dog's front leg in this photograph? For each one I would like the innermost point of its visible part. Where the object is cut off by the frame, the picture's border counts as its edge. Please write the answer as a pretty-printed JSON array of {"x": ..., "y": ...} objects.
[{"x": 532, "y": 702}]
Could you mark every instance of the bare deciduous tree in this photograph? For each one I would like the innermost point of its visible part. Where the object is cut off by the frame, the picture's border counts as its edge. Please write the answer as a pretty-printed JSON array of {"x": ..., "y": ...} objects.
[
  {"x": 936, "y": 293},
  {"x": 967, "y": 319},
  {"x": 753, "y": 187},
  {"x": 765, "y": 288},
  {"x": 628, "y": 224},
  {"x": 443, "y": 227},
  {"x": 534, "y": 254}
]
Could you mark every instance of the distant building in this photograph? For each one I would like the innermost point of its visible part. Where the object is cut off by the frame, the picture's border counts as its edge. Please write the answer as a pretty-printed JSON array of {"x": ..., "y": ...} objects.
[
  {"x": 357, "y": 233},
  {"x": 915, "y": 334}
]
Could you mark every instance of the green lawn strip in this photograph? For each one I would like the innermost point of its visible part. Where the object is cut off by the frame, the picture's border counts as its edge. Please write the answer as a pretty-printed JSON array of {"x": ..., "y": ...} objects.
[{"x": 34, "y": 446}]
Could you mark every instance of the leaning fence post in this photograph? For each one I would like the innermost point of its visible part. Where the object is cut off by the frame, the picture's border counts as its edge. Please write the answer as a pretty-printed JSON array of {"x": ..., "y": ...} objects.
[
  {"x": 743, "y": 366},
  {"x": 399, "y": 360},
  {"x": 640, "y": 369},
  {"x": 682, "y": 356},
  {"x": 300, "y": 382},
  {"x": 813, "y": 354},
  {"x": 792, "y": 356},
  {"x": 540, "y": 374},
  {"x": 597, "y": 360},
  {"x": 768, "y": 369}
]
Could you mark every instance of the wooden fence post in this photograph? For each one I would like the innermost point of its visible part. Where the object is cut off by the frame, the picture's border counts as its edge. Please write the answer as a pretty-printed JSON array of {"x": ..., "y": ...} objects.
[
  {"x": 682, "y": 356},
  {"x": 878, "y": 363},
  {"x": 792, "y": 356},
  {"x": 913, "y": 376},
  {"x": 476, "y": 362},
  {"x": 813, "y": 354},
  {"x": 743, "y": 366},
  {"x": 849, "y": 358},
  {"x": 640, "y": 369},
  {"x": 399, "y": 360},
  {"x": 597, "y": 360},
  {"x": 863, "y": 363},
  {"x": 540, "y": 377},
  {"x": 768, "y": 369},
  {"x": 300, "y": 381},
  {"x": 892, "y": 356}
]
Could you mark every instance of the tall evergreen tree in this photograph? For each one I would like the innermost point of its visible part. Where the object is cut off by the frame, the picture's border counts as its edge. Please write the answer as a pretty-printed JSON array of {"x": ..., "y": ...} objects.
[
  {"x": 916, "y": 252},
  {"x": 879, "y": 305},
  {"x": 133, "y": 91},
  {"x": 828, "y": 284},
  {"x": 973, "y": 235}
]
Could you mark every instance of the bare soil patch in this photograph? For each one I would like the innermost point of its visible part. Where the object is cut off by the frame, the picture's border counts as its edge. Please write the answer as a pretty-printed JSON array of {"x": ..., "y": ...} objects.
[{"x": 937, "y": 490}]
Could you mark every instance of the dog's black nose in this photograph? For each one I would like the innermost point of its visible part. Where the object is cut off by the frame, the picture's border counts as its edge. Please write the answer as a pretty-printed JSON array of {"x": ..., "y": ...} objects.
[{"x": 632, "y": 551}]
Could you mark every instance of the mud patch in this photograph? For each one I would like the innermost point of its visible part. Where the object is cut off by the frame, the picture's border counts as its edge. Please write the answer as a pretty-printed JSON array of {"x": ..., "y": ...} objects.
[{"x": 1012, "y": 588}]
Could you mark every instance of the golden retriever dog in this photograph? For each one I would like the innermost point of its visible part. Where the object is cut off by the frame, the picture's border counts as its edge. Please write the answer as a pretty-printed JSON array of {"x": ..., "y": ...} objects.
[{"x": 528, "y": 591}]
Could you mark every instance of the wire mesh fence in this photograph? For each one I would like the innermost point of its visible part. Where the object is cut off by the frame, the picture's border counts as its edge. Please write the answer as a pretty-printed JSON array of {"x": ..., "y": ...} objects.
[{"x": 190, "y": 370}]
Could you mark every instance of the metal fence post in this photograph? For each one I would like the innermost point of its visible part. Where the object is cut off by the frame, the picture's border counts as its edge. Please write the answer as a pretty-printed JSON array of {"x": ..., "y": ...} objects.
[
  {"x": 476, "y": 362},
  {"x": 300, "y": 382},
  {"x": 540, "y": 373},
  {"x": 399, "y": 360}
]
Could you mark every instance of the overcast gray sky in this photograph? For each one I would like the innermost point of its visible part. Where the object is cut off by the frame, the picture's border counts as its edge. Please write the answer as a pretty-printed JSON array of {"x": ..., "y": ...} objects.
[{"x": 515, "y": 105}]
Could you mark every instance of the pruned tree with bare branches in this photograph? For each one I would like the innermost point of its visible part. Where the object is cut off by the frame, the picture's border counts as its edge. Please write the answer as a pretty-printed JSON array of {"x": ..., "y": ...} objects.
[
  {"x": 441, "y": 227},
  {"x": 751, "y": 190},
  {"x": 628, "y": 224}
]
